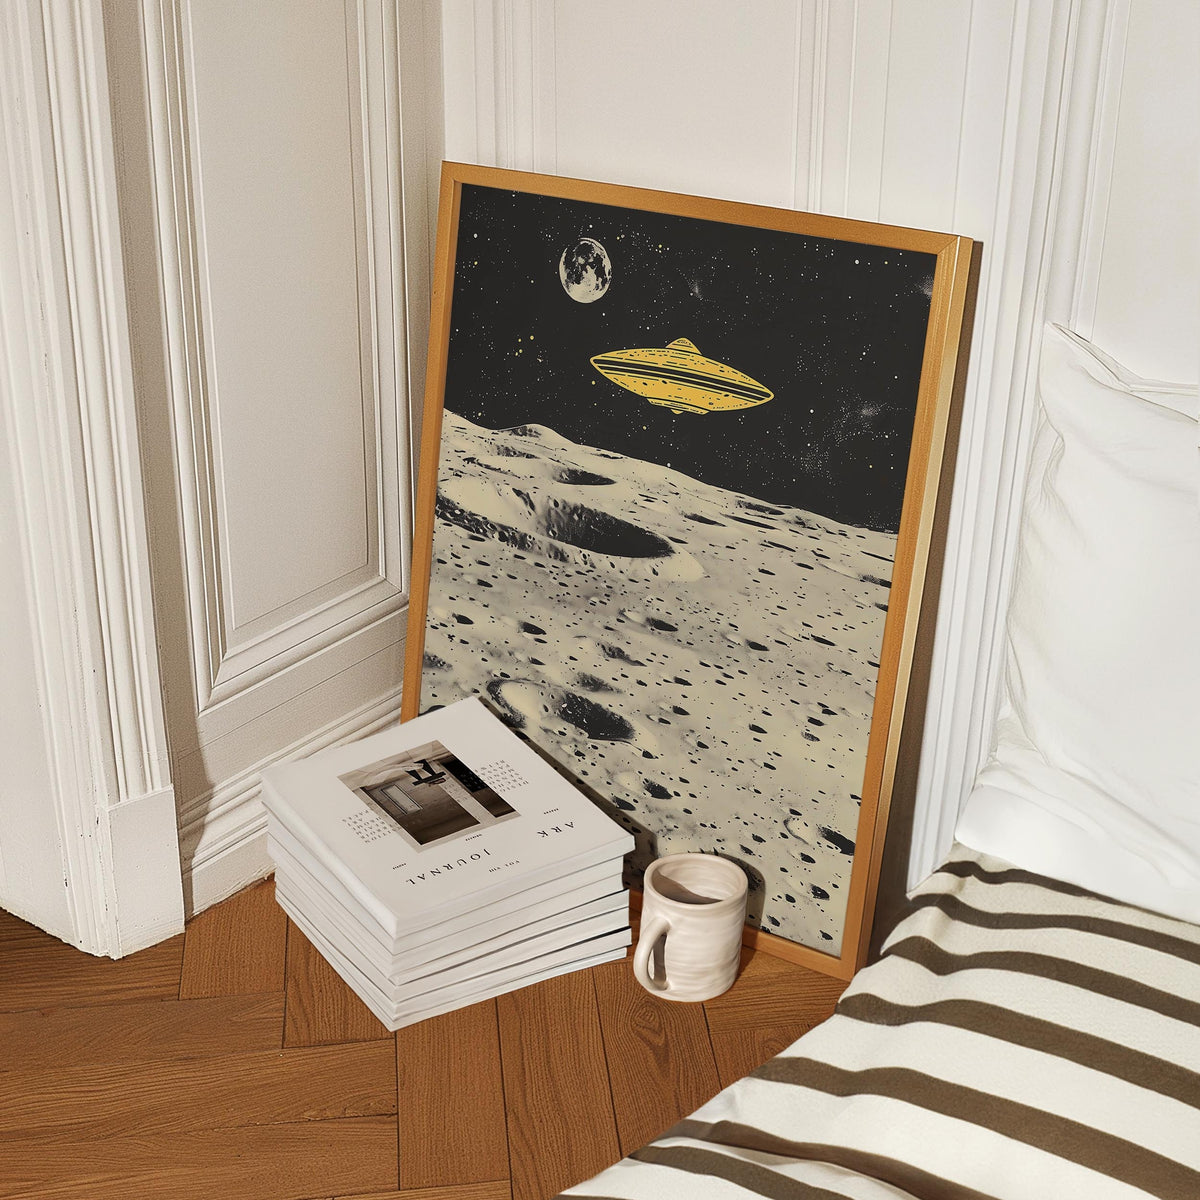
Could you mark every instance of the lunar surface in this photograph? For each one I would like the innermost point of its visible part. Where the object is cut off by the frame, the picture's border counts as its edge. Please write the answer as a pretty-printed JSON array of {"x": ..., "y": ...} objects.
[{"x": 705, "y": 663}]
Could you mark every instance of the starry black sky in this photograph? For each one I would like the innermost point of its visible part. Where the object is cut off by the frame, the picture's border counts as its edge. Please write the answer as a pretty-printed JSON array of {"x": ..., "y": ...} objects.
[{"x": 835, "y": 329}]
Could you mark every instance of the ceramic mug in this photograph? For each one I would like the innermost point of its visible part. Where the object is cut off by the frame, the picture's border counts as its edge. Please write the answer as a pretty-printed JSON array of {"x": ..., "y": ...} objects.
[{"x": 694, "y": 905}]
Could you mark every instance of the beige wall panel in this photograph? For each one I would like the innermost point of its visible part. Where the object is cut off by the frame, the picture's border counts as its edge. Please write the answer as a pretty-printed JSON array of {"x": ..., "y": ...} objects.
[
  {"x": 926, "y": 85},
  {"x": 690, "y": 96},
  {"x": 1147, "y": 302},
  {"x": 31, "y": 866},
  {"x": 281, "y": 230}
]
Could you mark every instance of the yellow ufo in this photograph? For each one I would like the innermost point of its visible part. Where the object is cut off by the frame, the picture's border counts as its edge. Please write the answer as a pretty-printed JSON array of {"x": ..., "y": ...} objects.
[{"x": 681, "y": 378}]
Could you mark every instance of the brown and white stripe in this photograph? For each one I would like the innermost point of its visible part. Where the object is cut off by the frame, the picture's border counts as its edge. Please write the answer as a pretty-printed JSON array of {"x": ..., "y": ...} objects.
[{"x": 1020, "y": 1038}]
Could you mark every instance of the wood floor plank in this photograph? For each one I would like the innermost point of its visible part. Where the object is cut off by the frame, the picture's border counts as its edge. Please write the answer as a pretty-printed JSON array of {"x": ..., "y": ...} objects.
[
  {"x": 237, "y": 947},
  {"x": 272, "y": 1087},
  {"x": 321, "y": 1008},
  {"x": 770, "y": 991},
  {"x": 452, "y": 1124},
  {"x": 496, "y": 1189},
  {"x": 561, "y": 1128},
  {"x": 660, "y": 1063},
  {"x": 111, "y": 1088},
  {"x": 138, "y": 1031},
  {"x": 15, "y": 933},
  {"x": 38, "y": 971},
  {"x": 740, "y": 1051},
  {"x": 267, "y": 1162}
]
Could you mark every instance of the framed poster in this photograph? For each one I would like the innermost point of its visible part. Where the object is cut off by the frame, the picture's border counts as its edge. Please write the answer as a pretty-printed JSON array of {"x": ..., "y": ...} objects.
[{"x": 678, "y": 472}]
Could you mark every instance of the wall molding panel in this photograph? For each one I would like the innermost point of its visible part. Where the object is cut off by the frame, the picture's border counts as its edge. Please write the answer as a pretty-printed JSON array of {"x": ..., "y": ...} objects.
[
  {"x": 417, "y": 115},
  {"x": 829, "y": 178},
  {"x": 232, "y": 658},
  {"x": 1101, "y": 128},
  {"x": 505, "y": 114},
  {"x": 288, "y": 174},
  {"x": 388, "y": 365},
  {"x": 967, "y": 657},
  {"x": 39, "y": 400}
]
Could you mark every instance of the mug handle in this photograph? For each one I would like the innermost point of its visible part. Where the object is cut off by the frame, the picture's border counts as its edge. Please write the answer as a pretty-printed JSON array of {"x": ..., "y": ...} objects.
[{"x": 647, "y": 940}]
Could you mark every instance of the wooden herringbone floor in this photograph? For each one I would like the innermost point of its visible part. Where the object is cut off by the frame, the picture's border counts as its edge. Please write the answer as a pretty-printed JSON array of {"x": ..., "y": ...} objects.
[{"x": 231, "y": 1061}]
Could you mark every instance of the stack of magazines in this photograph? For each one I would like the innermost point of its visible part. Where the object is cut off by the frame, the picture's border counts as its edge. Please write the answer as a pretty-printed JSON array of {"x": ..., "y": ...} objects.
[{"x": 442, "y": 862}]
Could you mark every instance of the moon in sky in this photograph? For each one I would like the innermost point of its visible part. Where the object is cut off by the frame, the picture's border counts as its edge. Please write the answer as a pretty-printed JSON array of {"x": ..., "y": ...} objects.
[{"x": 585, "y": 270}]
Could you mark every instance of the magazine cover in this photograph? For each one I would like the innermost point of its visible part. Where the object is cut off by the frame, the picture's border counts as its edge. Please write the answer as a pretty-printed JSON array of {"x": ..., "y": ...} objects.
[{"x": 438, "y": 816}]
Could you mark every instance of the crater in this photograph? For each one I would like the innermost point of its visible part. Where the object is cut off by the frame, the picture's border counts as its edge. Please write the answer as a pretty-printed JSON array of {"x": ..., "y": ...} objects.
[
  {"x": 620, "y": 654},
  {"x": 602, "y": 533},
  {"x": 837, "y": 840},
  {"x": 580, "y": 478},
  {"x": 593, "y": 683},
  {"x": 596, "y": 722},
  {"x": 472, "y": 461},
  {"x": 489, "y": 530},
  {"x": 511, "y": 716}
]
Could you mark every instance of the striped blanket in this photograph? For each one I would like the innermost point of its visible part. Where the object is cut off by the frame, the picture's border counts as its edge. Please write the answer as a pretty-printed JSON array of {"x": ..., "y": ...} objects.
[{"x": 1020, "y": 1038}]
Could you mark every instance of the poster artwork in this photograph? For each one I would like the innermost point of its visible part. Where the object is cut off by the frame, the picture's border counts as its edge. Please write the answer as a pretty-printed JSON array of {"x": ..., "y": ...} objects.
[{"x": 672, "y": 466}]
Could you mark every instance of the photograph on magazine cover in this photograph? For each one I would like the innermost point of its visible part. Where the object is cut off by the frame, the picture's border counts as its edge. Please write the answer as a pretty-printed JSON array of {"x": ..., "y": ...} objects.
[{"x": 428, "y": 793}]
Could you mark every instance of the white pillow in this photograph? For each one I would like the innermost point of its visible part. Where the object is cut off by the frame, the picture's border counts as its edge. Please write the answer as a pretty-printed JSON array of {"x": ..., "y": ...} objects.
[{"x": 1095, "y": 776}]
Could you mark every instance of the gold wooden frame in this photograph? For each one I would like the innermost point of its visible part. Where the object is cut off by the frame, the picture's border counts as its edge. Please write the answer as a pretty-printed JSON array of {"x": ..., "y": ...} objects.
[{"x": 943, "y": 343}]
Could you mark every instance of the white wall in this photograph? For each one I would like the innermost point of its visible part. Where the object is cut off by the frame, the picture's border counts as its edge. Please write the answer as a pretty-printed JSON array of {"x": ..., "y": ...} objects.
[
  {"x": 30, "y": 850},
  {"x": 32, "y": 879},
  {"x": 1139, "y": 293},
  {"x": 1045, "y": 129}
]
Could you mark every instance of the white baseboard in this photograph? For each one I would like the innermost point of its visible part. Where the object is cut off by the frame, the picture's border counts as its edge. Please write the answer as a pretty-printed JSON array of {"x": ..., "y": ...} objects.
[
  {"x": 140, "y": 840},
  {"x": 223, "y": 842},
  {"x": 240, "y": 863}
]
